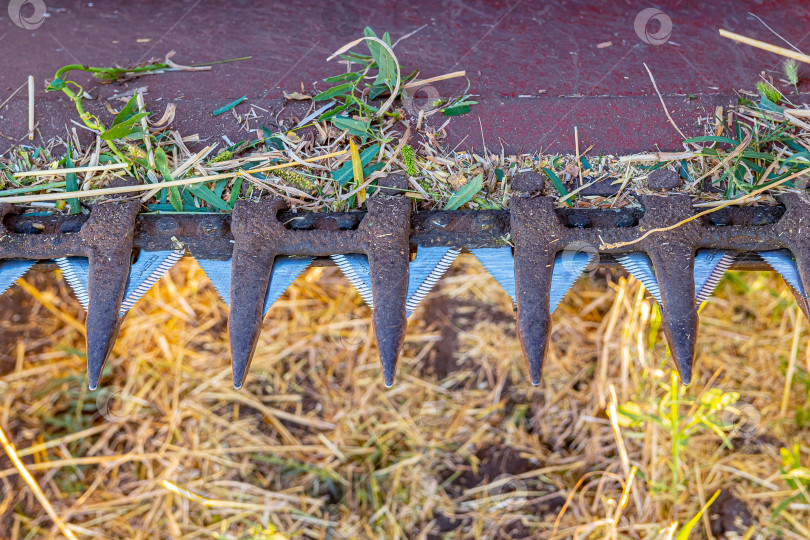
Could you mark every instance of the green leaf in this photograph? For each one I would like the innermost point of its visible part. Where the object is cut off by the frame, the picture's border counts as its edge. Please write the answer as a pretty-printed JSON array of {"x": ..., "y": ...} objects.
[
  {"x": 331, "y": 113},
  {"x": 376, "y": 90},
  {"x": 229, "y": 106},
  {"x": 767, "y": 104},
  {"x": 355, "y": 127},
  {"x": 71, "y": 184},
  {"x": 684, "y": 533},
  {"x": 129, "y": 110},
  {"x": 374, "y": 167},
  {"x": 712, "y": 138},
  {"x": 235, "y": 190},
  {"x": 203, "y": 192},
  {"x": 351, "y": 76},
  {"x": 125, "y": 128},
  {"x": 586, "y": 166},
  {"x": 758, "y": 155},
  {"x": 56, "y": 84},
  {"x": 558, "y": 185},
  {"x": 345, "y": 173},
  {"x": 333, "y": 92},
  {"x": 162, "y": 165},
  {"x": 385, "y": 63},
  {"x": 796, "y": 157},
  {"x": 465, "y": 193},
  {"x": 456, "y": 110}
]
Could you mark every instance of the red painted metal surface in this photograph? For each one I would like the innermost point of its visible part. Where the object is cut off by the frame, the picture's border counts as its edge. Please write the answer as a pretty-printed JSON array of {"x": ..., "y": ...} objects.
[{"x": 549, "y": 52}]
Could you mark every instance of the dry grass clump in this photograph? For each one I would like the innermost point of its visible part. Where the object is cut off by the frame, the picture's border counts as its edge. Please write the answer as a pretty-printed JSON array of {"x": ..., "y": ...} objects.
[
  {"x": 462, "y": 446},
  {"x": 372, "y": 123}
]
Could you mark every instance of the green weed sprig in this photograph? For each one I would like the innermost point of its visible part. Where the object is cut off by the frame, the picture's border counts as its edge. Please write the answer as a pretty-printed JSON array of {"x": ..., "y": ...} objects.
[{"x": 682, "y": 417}]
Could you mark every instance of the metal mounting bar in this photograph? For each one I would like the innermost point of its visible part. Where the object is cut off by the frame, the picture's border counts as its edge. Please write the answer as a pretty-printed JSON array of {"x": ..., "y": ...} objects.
[
  {"x": 388, "y": 232},
  {"x": 209, "y": 236}
]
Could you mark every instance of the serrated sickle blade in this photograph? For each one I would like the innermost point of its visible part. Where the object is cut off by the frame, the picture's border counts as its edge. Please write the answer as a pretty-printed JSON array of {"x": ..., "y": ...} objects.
[
  {"x": 782, "y": 261},
  {"x": 11, "y": 270},
  {"x": 285, "y": 271},
  {"x": 424, "y": 272},
  {"x": 76, "y": 271},
  {"x": 567, "y": 269},
  {"x": 500, "y": 263},
  {"x": 145, "y": 272},
  {"x": 710, "y": 267},
  {"x": 356, "y": 269},
  {"x": 219, "y": 274},
  {"x": 640, "y": 267}
]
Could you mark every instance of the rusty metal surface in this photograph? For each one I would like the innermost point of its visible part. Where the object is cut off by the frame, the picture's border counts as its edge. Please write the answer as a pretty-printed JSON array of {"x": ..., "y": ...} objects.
[
  {"x": 105, "y": 237},
  {"x": 259, "y": 236},
  {"x": 539, "y": 234},
  {"x": 387, "y": 233},
  {"x": 209, "y": 236}
]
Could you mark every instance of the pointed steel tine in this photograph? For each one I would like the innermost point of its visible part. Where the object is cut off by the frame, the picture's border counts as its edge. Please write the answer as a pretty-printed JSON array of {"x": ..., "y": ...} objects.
[
  {"x": 500, "y": 263},
  {"x": 534, "y": 263},
  {"x": 389, "y": 278},
  {"x": 424, "y": 272},
  {"x": 388, "y": 258},
  {"x": 710, "y": 267},
  {"x": 567, "y": 269},
  {"x": 675, "y": 275},
  {"x": 533, "y": 286},
  {"x": 219, "y": 274},
  {"x": 250, "y": 278},
  {"x": 356, "y": 268},
  {"x": 145, "y": 272},
  {"x": 76, "y": 271},
  {"x": 639, "y": 265},
  {"x": 107, "y": 282},
  {"x": 11, "y": 270},
  {"x": 285, "y": 271}
]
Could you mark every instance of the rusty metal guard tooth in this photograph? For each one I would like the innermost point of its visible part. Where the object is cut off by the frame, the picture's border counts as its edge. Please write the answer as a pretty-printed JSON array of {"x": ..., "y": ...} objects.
[
  {"x": 259, "y": 237},
  {"x": 535, "y": 232},
  {"x": 673, "y": 257},
  {"x": 388, "y": 231},
  {"x": 106, "y": 239}
]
